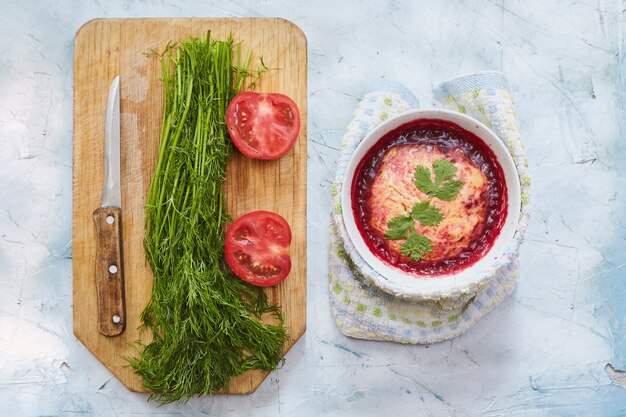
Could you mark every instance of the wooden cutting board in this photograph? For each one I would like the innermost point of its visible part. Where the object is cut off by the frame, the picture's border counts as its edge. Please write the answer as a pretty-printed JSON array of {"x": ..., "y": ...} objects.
[{"x": 105, "y": 48}]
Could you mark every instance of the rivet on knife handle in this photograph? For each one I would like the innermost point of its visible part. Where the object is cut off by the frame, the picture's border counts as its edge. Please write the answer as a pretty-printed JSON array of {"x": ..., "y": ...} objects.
[{"x": 110, "y": 271}]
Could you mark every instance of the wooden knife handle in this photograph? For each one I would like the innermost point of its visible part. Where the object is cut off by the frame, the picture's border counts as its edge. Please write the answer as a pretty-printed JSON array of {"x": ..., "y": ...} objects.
[{"x": 110, "y": 271}]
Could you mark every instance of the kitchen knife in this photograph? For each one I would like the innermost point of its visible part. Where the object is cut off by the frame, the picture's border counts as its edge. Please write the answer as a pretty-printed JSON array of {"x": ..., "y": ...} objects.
[{"x": 108, "y": 219}]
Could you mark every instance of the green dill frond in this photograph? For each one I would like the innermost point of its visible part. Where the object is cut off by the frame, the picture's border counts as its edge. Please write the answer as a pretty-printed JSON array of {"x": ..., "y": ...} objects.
[{"x": 204, "y": 321}]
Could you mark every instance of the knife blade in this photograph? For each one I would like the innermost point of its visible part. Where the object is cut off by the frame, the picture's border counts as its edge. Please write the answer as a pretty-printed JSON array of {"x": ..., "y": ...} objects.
[{"x": 109, "y": 271}]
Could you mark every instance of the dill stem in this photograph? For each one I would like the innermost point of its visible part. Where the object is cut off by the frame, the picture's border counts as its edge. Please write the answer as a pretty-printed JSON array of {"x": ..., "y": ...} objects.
[{"x": 205, "y": 322}]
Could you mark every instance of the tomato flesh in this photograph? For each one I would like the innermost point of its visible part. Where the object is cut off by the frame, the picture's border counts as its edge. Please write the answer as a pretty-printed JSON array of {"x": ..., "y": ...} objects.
[
  {"x": 256, "y": 248},
  {"x": 263, "y": 126}
]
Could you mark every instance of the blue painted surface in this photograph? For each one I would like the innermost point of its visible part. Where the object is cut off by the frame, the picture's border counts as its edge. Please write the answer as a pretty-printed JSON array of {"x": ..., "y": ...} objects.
[
  {"x": 612, "y": 272},
  {"x": 543, "y": 352}
]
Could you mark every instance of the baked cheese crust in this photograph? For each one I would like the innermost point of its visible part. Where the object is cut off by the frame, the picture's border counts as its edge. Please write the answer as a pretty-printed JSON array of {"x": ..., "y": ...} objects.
[{"x": 394, "y": 194}]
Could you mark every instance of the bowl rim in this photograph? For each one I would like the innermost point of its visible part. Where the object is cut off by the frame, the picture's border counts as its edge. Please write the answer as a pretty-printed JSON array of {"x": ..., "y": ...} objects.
[{"x": 468, "y": 280}]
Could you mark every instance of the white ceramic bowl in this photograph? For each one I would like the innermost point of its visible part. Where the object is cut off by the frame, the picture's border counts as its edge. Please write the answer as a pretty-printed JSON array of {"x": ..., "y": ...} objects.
[{"x": 401, "y": 283}]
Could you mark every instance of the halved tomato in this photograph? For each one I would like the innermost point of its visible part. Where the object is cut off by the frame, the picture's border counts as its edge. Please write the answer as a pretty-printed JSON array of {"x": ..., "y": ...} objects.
[
  {"x": 263, "y": 126},
  {"x": 256, "y": 248}
]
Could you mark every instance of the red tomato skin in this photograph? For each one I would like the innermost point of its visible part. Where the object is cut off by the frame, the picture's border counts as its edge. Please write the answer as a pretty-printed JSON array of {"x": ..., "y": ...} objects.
[
  {"x": 269, "y": 253},
  {"x": 243, "y": 111}
]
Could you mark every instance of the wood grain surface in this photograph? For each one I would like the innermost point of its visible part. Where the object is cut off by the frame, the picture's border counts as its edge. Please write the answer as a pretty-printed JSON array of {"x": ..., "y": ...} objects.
[
  {"x": 105, "y": 48},
  {"x": 109, "y": 271}
]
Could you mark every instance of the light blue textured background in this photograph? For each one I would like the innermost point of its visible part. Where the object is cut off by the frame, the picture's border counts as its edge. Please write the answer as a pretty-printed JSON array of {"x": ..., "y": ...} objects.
[{"x": 544, "y": 351}]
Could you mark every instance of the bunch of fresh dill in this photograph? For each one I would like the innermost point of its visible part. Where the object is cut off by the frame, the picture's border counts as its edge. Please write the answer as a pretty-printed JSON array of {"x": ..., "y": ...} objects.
[{"x": 204, "y": 321}]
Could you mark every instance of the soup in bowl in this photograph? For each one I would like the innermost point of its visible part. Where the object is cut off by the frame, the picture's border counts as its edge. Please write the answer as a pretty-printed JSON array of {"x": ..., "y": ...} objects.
[{"x": 431, "y": 201}]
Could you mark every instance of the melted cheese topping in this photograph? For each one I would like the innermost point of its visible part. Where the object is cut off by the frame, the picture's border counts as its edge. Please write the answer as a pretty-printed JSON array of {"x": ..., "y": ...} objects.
[{"x": 394, "y": 194}]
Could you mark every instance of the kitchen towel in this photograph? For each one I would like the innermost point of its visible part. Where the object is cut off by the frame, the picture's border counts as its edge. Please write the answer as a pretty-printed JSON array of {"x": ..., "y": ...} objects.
[{"x": 364, "y": 311}]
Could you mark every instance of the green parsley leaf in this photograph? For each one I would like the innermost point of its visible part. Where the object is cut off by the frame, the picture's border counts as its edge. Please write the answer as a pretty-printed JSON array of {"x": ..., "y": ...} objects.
[
  {"x": 416, "y": 246},
  {"x": 398, "y": 226},
  {"x": 445, "y": 188},
  {"x": 423, "y": 180},
  {"x": 444, "y": 170},
  {"x": 426, "y": 214},
  {"x": 449, "y": 190}
]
